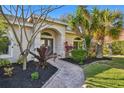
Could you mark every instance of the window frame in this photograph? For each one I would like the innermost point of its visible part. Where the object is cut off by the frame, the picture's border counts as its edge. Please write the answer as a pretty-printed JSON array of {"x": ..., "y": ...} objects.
[{"x": 77, "y": 40}]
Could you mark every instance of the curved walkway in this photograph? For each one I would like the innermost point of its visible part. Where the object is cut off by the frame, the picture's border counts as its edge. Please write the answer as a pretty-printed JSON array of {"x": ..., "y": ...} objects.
[{"x": 67, "y": 76}]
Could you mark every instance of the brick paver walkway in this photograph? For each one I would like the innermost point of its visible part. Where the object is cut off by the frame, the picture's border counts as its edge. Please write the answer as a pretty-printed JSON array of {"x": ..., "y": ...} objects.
[{"x": 67, "y": 76}]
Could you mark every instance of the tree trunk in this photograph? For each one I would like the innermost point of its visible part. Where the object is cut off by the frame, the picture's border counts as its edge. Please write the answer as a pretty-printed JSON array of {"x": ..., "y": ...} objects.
[
  {"x": 84, "y": 47},
  {"x": 99, "y": 51},
  {"x": 23, "y": 60},
  {"x": 25, "y": 63}
]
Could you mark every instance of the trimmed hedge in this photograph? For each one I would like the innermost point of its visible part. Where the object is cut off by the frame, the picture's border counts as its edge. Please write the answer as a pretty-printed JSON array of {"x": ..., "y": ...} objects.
[{"x": 117, "y": 48}]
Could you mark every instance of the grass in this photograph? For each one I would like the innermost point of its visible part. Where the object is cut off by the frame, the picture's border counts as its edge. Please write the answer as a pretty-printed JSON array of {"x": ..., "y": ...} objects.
[{"x": 105, "y": 74}]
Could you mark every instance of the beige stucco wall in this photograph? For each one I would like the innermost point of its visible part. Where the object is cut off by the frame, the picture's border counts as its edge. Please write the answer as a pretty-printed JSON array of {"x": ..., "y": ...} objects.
[{"x": 15, "y": 52}]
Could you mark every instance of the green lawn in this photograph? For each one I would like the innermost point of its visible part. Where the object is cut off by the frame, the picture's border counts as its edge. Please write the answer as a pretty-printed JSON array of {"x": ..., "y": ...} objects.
[{"x": 105, "y": 74}]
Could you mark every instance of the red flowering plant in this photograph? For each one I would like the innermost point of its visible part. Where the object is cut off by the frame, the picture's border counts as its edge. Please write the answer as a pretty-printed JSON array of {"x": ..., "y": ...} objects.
[
  {"x": 44, "y": 54},
  {"x": 68, "y": 49}
]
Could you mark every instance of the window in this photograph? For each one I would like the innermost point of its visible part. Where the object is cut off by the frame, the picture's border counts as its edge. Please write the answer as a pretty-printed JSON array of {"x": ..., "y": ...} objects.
[
  {"x": 77, "y": 43},
  {"x": 77, "y": 38},
  {"x": 46, "y": 34}
]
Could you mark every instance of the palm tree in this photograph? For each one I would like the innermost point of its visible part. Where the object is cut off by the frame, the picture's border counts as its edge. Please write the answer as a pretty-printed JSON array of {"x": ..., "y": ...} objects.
[
  {"x": 105, "y": 23},
  {"x": 81, "y": 24}
]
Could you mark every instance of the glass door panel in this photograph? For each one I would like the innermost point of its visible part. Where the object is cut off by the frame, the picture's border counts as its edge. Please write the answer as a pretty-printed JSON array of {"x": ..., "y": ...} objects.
[
  {"x": 47, "y": 42},
  {"x": 50, "y": 44}
]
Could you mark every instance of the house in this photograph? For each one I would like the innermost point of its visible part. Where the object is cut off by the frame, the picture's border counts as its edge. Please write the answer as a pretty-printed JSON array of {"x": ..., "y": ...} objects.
[{"x": 55, "y": 34}]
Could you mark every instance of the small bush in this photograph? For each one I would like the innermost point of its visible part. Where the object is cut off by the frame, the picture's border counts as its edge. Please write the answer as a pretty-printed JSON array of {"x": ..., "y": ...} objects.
[
  {"x": 8, "y": 71},
  {"x": 35, "y": 76},
  {"x": 6, "y": 67},
  {"x": 4, "y": 63},
  {"x": 78, "y": 55}
]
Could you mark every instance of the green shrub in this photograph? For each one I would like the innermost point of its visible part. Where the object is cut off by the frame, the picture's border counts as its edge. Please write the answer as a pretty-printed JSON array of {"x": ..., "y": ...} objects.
[
  {"x": 6, "y": 66},
  {"x": 35, "y": 76},
  {"x": 78, "y": 55},
  {"x": 4, "y": 63},
  {"x": 118, "y": 48}
]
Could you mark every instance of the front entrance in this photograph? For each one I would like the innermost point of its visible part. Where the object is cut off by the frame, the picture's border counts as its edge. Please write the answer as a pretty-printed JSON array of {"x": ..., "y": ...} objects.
[
  {"x": 47, "y": 42},
  {"x": 53, "y": 39}
]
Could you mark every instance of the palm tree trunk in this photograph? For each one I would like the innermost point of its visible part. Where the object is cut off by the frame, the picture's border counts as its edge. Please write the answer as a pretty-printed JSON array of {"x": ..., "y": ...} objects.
[
  {"x": 99, "y": 51},
  {"x": 84, "y": 45},
  {"x": 89, "y": 53}
]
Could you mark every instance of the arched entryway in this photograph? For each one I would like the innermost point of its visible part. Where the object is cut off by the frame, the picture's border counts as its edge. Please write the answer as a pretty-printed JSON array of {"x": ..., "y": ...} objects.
[{"x": 52, "y": 38}]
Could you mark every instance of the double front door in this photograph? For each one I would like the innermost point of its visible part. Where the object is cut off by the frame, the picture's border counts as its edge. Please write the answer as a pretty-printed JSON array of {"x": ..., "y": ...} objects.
[{"x": 47, "y": 42}]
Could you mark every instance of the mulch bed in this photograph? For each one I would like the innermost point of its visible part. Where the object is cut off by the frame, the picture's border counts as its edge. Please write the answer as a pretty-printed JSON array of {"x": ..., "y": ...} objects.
[
  {"x": 22, "y": 79},
  {"x": 86, "y": 61}
]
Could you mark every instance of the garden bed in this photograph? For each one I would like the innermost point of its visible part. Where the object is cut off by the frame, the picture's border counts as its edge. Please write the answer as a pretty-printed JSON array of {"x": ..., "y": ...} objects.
[
  {"x": 22, "y": 79},
  {"x": 86, "y": 61}
]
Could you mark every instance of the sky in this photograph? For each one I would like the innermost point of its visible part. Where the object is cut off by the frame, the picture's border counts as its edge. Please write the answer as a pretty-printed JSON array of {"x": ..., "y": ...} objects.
[{"x": 71, "y": 9}]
